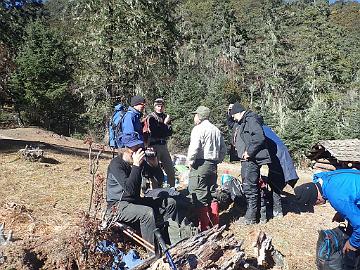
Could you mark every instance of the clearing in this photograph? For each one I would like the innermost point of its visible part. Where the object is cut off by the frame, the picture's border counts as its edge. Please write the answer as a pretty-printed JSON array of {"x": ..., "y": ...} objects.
[{"x": 41, "y": 201}]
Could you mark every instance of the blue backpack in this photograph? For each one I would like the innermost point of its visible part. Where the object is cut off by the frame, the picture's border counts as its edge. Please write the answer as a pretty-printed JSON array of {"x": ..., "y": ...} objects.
[{"x": 115, "y": 124}]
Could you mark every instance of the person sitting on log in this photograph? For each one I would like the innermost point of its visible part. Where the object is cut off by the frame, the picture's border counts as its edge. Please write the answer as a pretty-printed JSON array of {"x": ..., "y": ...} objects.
[{"x": 123, "y": 183}]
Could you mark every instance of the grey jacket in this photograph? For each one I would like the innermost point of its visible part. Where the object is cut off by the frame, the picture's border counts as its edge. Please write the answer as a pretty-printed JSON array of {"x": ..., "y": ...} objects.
[
  {"x": 249, "y": 136},
  {"x": 207, "y": 143}
]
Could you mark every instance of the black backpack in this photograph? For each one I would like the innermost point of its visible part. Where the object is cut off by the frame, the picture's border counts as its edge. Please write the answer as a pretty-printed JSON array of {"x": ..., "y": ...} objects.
[{"x": 329, "y": 249}]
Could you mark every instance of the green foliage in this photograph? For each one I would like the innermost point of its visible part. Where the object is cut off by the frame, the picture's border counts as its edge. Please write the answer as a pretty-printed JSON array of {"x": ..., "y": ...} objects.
[
  {"x": 40, "y": 86},
  {"x": 296, "y": 63}
]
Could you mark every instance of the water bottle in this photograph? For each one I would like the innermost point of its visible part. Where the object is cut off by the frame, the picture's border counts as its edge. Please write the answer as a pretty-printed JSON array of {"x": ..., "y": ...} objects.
[
  {"x": 165, "y": 183},
  {"x": 226, "y": 177}
]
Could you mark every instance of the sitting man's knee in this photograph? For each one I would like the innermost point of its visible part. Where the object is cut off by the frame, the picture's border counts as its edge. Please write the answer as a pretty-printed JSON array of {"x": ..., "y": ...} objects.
[{"x": 147, "y": 215}]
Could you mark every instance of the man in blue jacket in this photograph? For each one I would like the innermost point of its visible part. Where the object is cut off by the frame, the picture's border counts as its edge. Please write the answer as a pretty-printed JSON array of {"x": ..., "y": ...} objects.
[
  {"x": 131, "y": 122},
  {"x": 342, "y": 189}
]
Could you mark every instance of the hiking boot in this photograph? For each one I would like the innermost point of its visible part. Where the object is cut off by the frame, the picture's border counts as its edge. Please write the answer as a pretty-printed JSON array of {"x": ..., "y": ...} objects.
[{"x": 245, "y": 221}]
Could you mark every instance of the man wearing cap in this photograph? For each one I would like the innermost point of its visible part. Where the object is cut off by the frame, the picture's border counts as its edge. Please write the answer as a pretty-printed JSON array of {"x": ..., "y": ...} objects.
[
  {"x": 207, "y": 148},
  {"x": 159, "y": 131},
  {"x": 123, "y": 183},
  {"x": 131, "y": 122},
  {"x": 249, "y": 141},
  {"x": 342, "y": 189}
]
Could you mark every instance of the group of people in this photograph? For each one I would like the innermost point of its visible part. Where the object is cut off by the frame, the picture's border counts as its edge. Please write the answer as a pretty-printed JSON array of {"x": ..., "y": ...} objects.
[{"x": 255, "y": 145}]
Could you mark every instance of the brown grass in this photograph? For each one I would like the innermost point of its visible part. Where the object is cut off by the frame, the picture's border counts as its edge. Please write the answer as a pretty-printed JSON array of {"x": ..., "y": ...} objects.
[{"x": 41, "y": 201}]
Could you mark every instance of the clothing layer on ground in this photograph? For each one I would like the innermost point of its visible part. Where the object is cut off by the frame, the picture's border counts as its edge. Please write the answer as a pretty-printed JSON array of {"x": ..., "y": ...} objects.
[
  {"x": 342, "y": 189},
  {"x": 131, "y": 124}
]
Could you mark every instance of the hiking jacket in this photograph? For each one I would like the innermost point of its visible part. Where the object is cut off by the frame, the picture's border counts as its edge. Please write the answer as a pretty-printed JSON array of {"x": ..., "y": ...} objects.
[
  {"x": 342, "y": 189},
  {"x": 281, "y": 161},
  {"x": 124, "y": 180},
  {"x": 249, "y": 136},
  {"x": 207, "y": 143},
  {"x": 158, "y": 130},
  {"x": 131, "y": 123}
]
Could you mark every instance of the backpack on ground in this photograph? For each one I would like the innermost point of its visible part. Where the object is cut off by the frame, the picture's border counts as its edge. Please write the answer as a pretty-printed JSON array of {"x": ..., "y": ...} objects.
[
  {"x": 115, "y": 126},
  {"x": 329, "y": 249}
]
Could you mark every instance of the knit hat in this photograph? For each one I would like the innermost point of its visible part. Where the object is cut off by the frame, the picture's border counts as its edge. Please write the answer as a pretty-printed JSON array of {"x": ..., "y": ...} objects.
[
  {"x": 236, "y": 108},
  {"x": 136, "y": 100},
  {"x": 203, "y": 112},
  {"x": 159, "y": 101},
  {"x": 306, "y": 194}
]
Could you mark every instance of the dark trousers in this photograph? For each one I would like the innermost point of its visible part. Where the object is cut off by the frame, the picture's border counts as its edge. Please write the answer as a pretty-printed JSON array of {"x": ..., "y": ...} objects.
[
  {"x": 351, "y": 260},
  {"x": 147, "y": 211},
  {"x": 202, "y": 182},
  {"x": 250, "y": 173}
]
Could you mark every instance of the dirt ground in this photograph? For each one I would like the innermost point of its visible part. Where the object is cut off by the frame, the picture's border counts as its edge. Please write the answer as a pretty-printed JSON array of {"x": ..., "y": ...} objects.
[{"x": 41, "y": 200}]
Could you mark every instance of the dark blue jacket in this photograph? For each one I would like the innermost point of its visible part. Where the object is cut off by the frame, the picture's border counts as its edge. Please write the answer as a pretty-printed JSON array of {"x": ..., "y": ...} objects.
[
  {"x": 131, "y": 124},
  {"x": 342, "y": 189},
  {"x": 281, "y": 161}
]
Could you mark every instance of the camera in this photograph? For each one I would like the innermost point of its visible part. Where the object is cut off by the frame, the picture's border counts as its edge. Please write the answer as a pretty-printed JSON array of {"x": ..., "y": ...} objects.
[{"x": 150, "y": 152}]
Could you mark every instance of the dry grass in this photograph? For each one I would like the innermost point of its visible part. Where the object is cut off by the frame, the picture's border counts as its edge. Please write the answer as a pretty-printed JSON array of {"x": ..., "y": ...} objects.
[{"x": 39, "y": 201}]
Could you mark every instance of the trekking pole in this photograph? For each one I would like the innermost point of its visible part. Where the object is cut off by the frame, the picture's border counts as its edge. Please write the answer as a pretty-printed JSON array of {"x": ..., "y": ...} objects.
[
  {"x": 164, "y": 249},
  {"x": 129, "y": 232}
]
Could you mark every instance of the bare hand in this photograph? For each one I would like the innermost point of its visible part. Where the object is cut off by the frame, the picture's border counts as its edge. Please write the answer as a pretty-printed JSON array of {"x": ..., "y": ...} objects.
[
  {"x": 138, "y": 157},
  {"x": 348, "y": 247},
  {"x": 338, "y": 218},
  {"x": 245, "y": 156},
  {"x": 152, "y": 161},
  {"x": 167, "y": 119}
]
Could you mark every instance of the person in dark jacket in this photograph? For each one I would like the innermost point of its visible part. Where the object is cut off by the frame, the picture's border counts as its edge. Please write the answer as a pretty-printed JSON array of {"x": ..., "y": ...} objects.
[
  {"x": 342, "y": 189},
  {"x": 131, "y": 122},
  {"x": 160, "y": 130},
  {"x": 281, "y": 169},
  {"x": 249, "y": 141},
  {"x": 123, "y": 183}
]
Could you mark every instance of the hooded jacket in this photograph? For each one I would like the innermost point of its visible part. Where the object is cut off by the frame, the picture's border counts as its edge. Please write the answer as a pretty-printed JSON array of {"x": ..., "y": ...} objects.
[
  {"x": 342, "y": 189},
  {"x": 249, "y": 136},
  {"x": 131, "y": 123}
]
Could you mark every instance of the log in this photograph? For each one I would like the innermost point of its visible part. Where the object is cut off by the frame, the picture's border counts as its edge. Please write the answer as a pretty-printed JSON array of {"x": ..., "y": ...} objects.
[
  {"x": 31, "y": 154},
  {"x": 324, "y": 166},
  {"x": 211, "y": 249},
  {"x": 326, "y": 161},
  {"x": 265, "y": 252}
]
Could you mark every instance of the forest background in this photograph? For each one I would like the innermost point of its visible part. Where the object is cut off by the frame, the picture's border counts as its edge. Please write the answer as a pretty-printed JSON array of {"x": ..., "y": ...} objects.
[{"x": 64, "y": 64}]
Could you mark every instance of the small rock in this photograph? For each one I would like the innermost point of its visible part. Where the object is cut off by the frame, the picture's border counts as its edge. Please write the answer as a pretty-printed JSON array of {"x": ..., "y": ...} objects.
[{"x": 78, "y": 168}]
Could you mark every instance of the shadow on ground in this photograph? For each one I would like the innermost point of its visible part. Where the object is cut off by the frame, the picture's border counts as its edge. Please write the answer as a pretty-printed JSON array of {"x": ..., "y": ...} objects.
[{"x": 12, "y": 145}]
